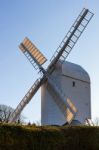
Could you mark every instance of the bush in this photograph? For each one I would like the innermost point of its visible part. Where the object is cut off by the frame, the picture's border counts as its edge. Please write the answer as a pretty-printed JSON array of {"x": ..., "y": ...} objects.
[{"x": 17, "y": 137}]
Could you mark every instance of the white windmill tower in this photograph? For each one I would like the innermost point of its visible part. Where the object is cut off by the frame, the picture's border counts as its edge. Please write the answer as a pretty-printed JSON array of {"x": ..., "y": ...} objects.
[{"x": 60, "y": 102}]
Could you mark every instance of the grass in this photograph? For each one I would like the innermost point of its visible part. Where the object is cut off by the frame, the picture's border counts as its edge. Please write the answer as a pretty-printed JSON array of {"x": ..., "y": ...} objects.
[{"x": 18, "y": 137}]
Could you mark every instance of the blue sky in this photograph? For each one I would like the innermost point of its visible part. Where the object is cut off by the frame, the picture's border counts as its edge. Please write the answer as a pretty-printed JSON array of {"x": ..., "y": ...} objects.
[{"x": 45, "y": 23}]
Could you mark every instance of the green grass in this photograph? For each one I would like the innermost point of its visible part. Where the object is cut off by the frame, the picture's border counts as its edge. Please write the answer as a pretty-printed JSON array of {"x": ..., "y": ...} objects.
[{"x": 17, "y": 137}]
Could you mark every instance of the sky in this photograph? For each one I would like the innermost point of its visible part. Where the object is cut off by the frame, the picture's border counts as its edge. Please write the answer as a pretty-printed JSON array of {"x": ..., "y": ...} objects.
[{"x": 45, "y": 23}]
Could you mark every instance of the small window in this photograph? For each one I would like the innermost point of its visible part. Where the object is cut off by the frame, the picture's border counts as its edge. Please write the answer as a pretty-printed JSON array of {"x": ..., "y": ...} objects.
[{"x": 73, "y": 83}]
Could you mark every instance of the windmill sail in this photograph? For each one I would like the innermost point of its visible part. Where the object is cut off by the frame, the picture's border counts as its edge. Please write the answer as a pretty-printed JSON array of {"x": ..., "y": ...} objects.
[
  {"x": 68, "y": 114},
  {"x": 71, "y": 38},
  {"x": 35, "y": 57},
  {"x": 26, "y": 99},
  {"x": 64, "y": 104}
]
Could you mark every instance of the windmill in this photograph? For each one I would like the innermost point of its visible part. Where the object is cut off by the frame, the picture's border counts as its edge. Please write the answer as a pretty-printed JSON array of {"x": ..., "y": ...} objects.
[{"x": 37, "y": 59}]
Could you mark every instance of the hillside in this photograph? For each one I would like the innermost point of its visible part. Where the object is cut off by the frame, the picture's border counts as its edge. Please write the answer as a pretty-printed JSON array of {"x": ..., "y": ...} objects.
[{"x": 17, "y": 137}]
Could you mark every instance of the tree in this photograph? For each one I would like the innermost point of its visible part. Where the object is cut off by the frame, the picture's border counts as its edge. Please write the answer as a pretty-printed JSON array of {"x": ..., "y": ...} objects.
[{"x": 5, "y": 113}]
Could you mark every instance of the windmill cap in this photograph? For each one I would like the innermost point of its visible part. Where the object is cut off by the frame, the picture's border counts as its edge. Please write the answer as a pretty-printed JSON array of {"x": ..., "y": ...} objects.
[{"x": 75, "y": 71}]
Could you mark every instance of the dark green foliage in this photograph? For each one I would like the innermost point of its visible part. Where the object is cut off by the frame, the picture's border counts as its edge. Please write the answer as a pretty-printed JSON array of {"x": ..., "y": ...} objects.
[{"x": 17, "y": 137}]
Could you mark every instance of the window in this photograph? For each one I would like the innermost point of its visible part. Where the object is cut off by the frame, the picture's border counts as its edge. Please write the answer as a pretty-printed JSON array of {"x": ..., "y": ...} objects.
[{"x": 73, "y": 83}]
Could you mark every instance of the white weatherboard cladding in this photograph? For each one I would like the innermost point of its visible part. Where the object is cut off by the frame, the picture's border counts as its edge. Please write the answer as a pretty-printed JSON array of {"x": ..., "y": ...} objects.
[
  {"x": 50, "y": 113},
  {"x": 65, "y": 75}
]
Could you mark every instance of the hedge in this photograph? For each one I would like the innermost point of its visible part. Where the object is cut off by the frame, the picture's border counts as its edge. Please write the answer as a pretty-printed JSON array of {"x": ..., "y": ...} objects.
[{"x": 20, "y": 137}]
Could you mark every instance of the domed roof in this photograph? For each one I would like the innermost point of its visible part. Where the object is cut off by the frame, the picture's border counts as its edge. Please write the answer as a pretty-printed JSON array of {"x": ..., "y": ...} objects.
[{"x": 75, "y": 71}]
